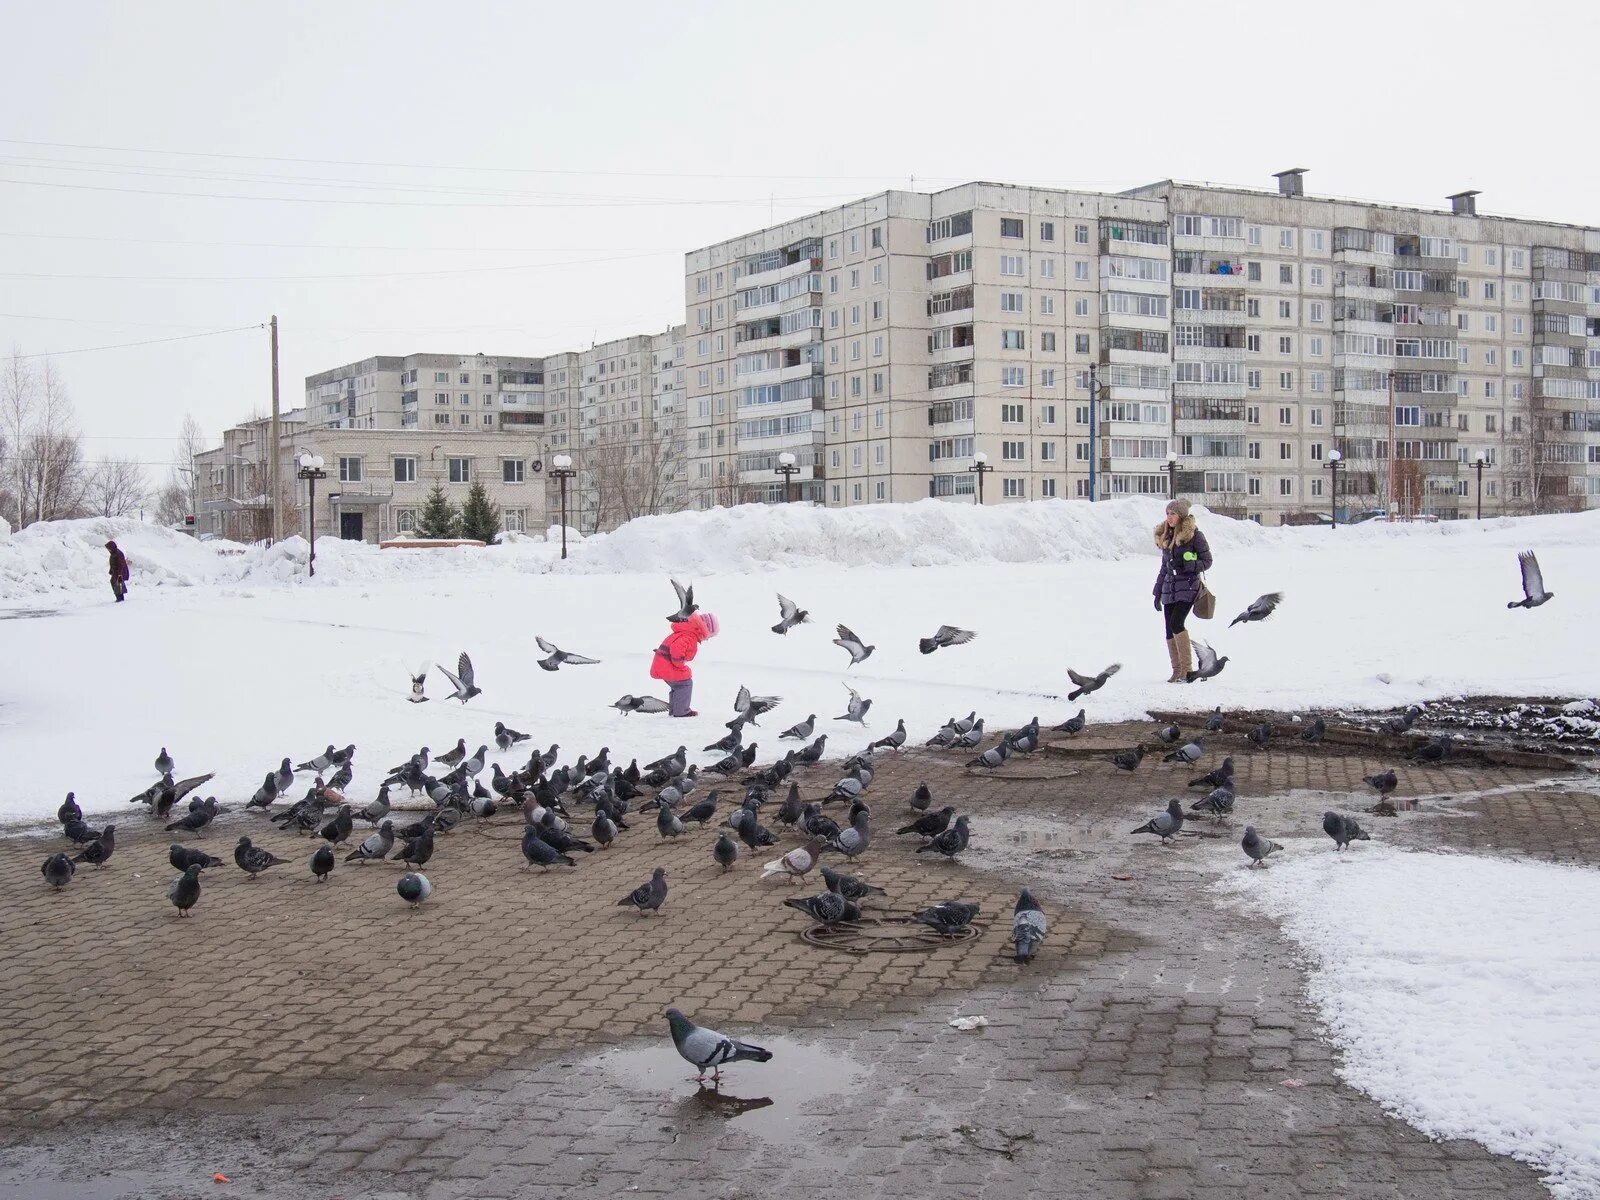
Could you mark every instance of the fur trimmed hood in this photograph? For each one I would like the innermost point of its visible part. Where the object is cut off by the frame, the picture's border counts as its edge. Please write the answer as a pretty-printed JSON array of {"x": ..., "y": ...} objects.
[{"x": 1183, "y": 534}]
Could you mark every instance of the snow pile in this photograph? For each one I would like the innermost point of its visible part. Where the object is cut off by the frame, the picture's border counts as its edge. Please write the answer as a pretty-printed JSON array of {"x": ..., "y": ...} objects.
[
  {"x": 1513, "y": 533},
  {"x": 343, "y": 563},
  {"x": 928, "y": 533},
  {"x": 1461, "y": 990},
  {"x": 55, "y": 556}
]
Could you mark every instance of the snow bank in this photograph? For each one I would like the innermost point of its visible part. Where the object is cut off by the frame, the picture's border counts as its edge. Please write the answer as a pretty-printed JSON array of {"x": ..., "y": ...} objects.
[
  {"x": 1461, "y": 991},
  {"x": 56, "y": 556},
  {"x": 928, "y": 533}
]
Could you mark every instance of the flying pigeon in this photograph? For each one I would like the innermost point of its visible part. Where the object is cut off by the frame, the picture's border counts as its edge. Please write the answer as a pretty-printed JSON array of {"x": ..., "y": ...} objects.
[
  {"x": 414, "y": 887},
  {"x": 1028, "y": 926},
  {"x": 802, "y": 731},
  {"x": 1257, "y": 847},
  {"x": 58, "y": 871},
  {"x": 1260, "y": 735},
  {"x": 948, "y": 917},
  {"x": 851, "y": 887},
  {"x": 790, "y": 615},
  {"x": 892, "y": 741},
  {"x": 464, "y": 680},
  {"x": 686, "y": 605},
  {"x": 641, "y": 704},
  {"x": 322, "y": 863},
  {"x": 1260, "y": 609},
  {"x": 99, "y": 851},
  {"x": 750, "y": 707},
  {"x": 930, "y": 824},
  {"x": 375, "y": 846},
  {"x": 945, "y": 635},
  {"x": 419, "y": 683},
  {"x": 648, "y": 897},
  {"x": 165, "y": 765},
  {"x": 1217, "y": 777},
  {"x": 560, "y": 658},
  {"x": 1383, "y": 784},
  {"x": 1533, "y": 593},
  {"x": 952, "y": 841},
  {"x": 1343, "y": 830},
  {"x": 851, "y": 643},
  {"x": 921, "y": 798},
  {"x": 1072, "y": 724},
  {"x": 1187, "y": 753},
  {"x": 1218, "y": 801},
  {"x": 856, "y": 710},
  {"x": 826, "y": 908},
  {"x": 1207, "y": 664},
  {"x": 1165, "y": 825},
  {"x": 1313, "y": 733},
  {"x": 1128, "y": 760},
  {"x": 1215, "y": 721},
  {"x": 184, "y": 891},
  {"x": 1087, "y": 683},
  {"x": 252, "y": 859},
  {"x": 706, "y": 1049},
  {"x": 796, "y": 863}
]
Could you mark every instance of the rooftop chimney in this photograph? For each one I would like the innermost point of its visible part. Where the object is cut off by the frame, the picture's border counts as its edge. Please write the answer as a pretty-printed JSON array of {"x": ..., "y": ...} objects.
[
  {"x": 1291, "y": 182},
  {"x": 1464, "y": 204}
]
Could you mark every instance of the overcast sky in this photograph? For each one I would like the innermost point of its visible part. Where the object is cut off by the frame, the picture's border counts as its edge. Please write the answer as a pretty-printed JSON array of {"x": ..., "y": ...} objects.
[{"x": 521, "y": 179}]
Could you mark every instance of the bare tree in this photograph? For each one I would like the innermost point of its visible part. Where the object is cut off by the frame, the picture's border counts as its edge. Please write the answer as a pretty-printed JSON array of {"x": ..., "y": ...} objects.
[
  {"x": 116, "y": 488},
  {"x": 183, "y": 487},
  {"x": 636, "y": 475},
  {"x": 19, "y": 388},
  {"x": 171, "y": 502},
  {"x": 43, "y": 452}
]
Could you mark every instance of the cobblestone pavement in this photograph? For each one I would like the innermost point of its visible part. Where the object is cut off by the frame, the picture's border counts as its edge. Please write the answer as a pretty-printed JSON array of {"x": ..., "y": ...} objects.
[{"x": 324, "y": 1041}]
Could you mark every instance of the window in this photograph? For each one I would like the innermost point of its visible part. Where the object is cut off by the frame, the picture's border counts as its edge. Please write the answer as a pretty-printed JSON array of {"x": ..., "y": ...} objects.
[
  {"x": 1047, "y": 341},
  {"x": 1011, "y": 264},
  {"x": 1013, "y": 451},
  {"x": 1011, "y": 414},
  {"x": 877, "y": 310},
  {"x": 1011, "y": 489},
  {"x": 441, "y": 418},
  {"x": 1047, "y": 268},
  {"x": 877, "y": 237},
  {"x": 1488, "y": 290},
  {"x": 1286, "y": 239},
  {"x": 349, "y": 470},
  {"x": 1318, "y": 310},
  {"x": 1012, "y": 339},
  {"x": 1286, "y": 381},
  {"x": 878, "y": 453},
  {"x": 1286, "y": 415},
  {"x": 1253, "y": 235},
  {"x": 1285, "y": 487},
  {"x": 855, "y": 456},
  {"x": 1047, "y": 306},
  {"x": 1080, "y": 343},
  {"x": 1315, "y": 418},
  {"x": 1254, "y": 449},
  {"x": 1253, "y": 272},
  {"x": 877, "y": 346},
  {"x": 441, "y": 397},
  {"x": 460, "y": 470},
  {"x": 1047, "y": 451},
  {"x": 855, "y": 242},
  {"x": 1285, "y": 273},
  {"x": 1047, "y": 379},
  {"x": 1319, "y": 383},
  {"x": 405, "y": 470},
  {"x": 1011, "y": 302},
  {"x": 1318, "y": 239},
  {"x": 1013, "y": 376},
  {"x": 1047, "y": 488},
  {"x": 1010, "y": 227},
  {"x": 1253, "y": 488},
  {"x": 1285, "y": 345},
  {"x": 1080, "y": 306},
  {"x": 1252, "y": 414},
  {"x": 1316, "y": 486},
  {"x": 405, "y": 520},
  {"x": 1080, "y": 234},
  {"x": 1285, "y": 451},
  {"x": 1252, "y": 308},
  {"x": 1253, "y": 379},
  {"x": 441, "y": 376},
  {"x": 1080, "y": 416},
  {"x": 1080, "y": 269},
  {"x": 1285, "y": 310},
  {"x": 1252, "y": 343},
  {"x": 511, "y": 470},
  {"x": 1316, "y": 276}
]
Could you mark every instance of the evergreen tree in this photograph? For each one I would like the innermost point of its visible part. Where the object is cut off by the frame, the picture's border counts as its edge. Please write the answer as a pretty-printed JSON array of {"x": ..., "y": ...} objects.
[
  {"x": 479, "y": 518},
  {"x": 439, "y": 518}
]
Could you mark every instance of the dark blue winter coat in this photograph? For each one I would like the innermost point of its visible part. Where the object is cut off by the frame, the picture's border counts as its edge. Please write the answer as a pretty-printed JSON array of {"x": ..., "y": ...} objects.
[{"x": 1184, "y": 555}]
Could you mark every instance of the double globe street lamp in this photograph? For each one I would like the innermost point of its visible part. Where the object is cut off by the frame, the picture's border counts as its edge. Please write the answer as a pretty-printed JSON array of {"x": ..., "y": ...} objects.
[
  {"x": 980, "y": 467},
  {"x": 788, "y": 468},
  {"x": 310, "y": 469}
]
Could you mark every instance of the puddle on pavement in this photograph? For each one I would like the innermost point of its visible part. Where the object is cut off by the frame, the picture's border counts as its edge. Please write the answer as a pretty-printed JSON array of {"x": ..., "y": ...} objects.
[{"x": 764, "y": 1099}]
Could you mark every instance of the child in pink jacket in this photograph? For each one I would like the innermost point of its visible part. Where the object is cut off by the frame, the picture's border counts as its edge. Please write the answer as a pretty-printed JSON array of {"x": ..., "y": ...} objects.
[{"x": 672, "y": 658}]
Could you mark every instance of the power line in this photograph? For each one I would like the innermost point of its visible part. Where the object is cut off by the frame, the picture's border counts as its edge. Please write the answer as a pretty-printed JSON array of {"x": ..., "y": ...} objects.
[
  {"x": 183, "y": 337},
  {"x": 86, "y": 237}
]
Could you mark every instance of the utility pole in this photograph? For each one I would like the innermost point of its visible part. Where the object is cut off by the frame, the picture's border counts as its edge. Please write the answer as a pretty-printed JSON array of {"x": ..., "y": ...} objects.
[
  {"x": 1094, "y": 450},
  {"x": 277, "y": 491}
]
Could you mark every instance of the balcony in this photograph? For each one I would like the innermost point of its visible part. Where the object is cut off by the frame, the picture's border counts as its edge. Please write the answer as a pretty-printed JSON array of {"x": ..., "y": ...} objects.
[
  {"x": 1367, "y": 416},
  {"x": 1202, "y": 410},
  {"x": 778, "y": 374},
  {"x": 780, "y": 272}
]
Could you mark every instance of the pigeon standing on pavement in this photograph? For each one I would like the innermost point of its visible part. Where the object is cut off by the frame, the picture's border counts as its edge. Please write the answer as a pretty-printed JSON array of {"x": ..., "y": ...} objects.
[
  {"x": 1128, "y": 760},
  {"x": 648, "y": 897},
  {"x": 1170, "y": 734},
  {"x": 1343, "y": 830},
  {"x": 668, "y": 823},
  {"x": 853, "y": 645},
  {"x": 559, "y": 658},
  {"x": 1433, "y": 751},
  {"x": 183, "y": 857},
  {"x": 945, "y": 635},
  {"x": 856, "y": 709},
  {"x": 414, "y": 887},
  {"x": 931, "y": 824},
  {"x": 726, "y": 851},
  {"x": 1028, "y": 926},
  {"x": 851, "y": 887},
  {"x": 69, "y": 810},
  {"x": 1260, "y": 736},
  {"x": 322, "y": 863},
  {"x": 801, "y": 731},
  {"x": 892, "y": 741},
  {"x": 537, "y": 852},
  {"x": 1072, "y": 724},
  {"x": 375, "y": 846},
  {"x": 1188, "y": 753},
  {"x": 968, "y": 739},
  {"x": 853, "y": 842},
  {"x": 1533, "y": 593},
  {"x": 1218, "y": 801},
  {"x": 826, "y": 908},
  {"x": 1256, "y": 846},
  {"x": 1215, "y": 721},
  {"x": 789, "y": 615},
  {"x": 796, "y": 864},
  {"x": 1313, "y": 733},
  {"x": 1260, "y": 609},
  {"x": 1165, "y": 825},
  {"x": 58, "y": 871},
  {"x": 994, "y": 755},
  {"x": 1217, "y": 776},
  {"x": 184, "y": 891},
  {"x": 252, "y": 859},
  {"x": 267, "y": 794},
  {"x": 99, "y": 851},
  {"x": 1090, "y": 683},
  {"x": 706, "y": 1049},
  {"x": 464, "y": 680},
  {"x": 948, "y": 917},
  {"x": 1382, "y": 783},
  {"x": 416, "y": 851},
  {"x": 952, "y": 841},
  {"x": 1404, "y": 721},
  {"x": 921, "y": 798}
]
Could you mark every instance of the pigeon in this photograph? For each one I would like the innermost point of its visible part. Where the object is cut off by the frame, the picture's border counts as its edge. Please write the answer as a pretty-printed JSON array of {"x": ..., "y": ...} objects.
[
  {"x": 417, "y": 851},
  {"x": 79, "y": 832},
  {"x": 1218, "y": 801},
  {"x": 754, "y": 834},
  {"x": 791, "y": 809},
  {"x": 1165, "y": 825},
  {"x": 1187, "y": 753},
  {"x": 1312, "y": 734},
  {"x": 1028, "y": 926},
  {"x": 453, "y": 757},
  {"x": 648, "y": 897},
  {"x": 852, "y": 644},
  {"x": 1128, "y": 760},
  {"x": 419, "y": 684},
  {"x": 795, "y": 864},
  {"x": 825, "y": 908},
  {"x": 58, "y": 871},
  {"x": 322, "y": 863},
  {"x": 952, "y": 841},
  {"x": 641, "y": 704},
  {"x": 252, "y": 859},
  {"x": 1533, "y": 593},
  {"x": 183, "y": 857},
  {"x": 505, "y": 737},
  {"x": 321, "y": 762},
  {"x": 1169, "y": 734},
  {"x": 1343, "y": 830},
  {"x": 99, "y": 851},
  {"x": 1256, "y": 846},
  {"x": 945, "y": 735},
  {"x": 1383, "y": 784},
  {"x": 1072, "y": 724},
  {"x": 686, "y": 605},
  {"x": 1088, "y": 683},
  {"x": 267, "y": 794},
  {"x": 341, "y": 778},
  {"x": 814, "y": 751},
  {"x": 165, "y": 765},
  {"x": 750, "y": 707},
  {"x": 604, "y": 829},
  {"x": 341, "y": 757},
  {"x": 413, "y": 887},
  {"x": 921, "y": 798},
  {"x": 1216, "y": 778},
  {"x": 994, "y": 756},
  {"x": 375, "y": 846},
  {"x": 1260, "y": 735},
  {"x": 559, "y": 658},
  {"x": 378, "y": 809},
  {"x": 668, "y": 823},
  {"x": 930, "y": 824},
  {"x": 1207, "y": 664},
  {"x": 967, "y": 739},
  {"x": 892, "y": 741},
  {"x": 464, "y": 681},
  {"x": 1215, "y": 721},
  {"x": 726, "y": 851},
  {"x": 539, "y": 853},
  {"x": 69, "y": 810},
  {"x": 1404, "y": 721},
  {"x": 195, "y": 819},
  {"x": 184, "y": 891},
  {"x": 1433, "y": 751},
  {"x": 947, "y": 917},
  {"x": 945, "y": 635},
  {"x": 790, "y": 614},
  {"x": 483, "y": 807},
  {"x": 706, "y": 1049},
  {"x": 853, "y": 842},
  {"x": 856, "y": 710},
  {"x": 1260, "y": 609},
  {"x": 851, "y": 887},
  {"x": 703, "y": 811},
  {"x": 284, "y": 777},
  {"x": 338, "y": 830}
]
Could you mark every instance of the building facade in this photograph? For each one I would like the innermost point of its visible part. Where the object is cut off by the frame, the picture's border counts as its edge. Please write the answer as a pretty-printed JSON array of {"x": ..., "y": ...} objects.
[{"x": 443, "y": 392}]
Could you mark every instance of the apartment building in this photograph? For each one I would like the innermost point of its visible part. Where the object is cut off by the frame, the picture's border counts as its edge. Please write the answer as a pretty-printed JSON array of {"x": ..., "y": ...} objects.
[
  {"x": 1230, "y": 339},
  {"x": 437, "y": 391}
]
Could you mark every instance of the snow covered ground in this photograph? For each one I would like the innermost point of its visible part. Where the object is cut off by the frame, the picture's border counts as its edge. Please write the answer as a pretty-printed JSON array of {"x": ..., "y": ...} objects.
[
  {"x": 233, "y": 660},
  {"x": 1461, "y": 991}
]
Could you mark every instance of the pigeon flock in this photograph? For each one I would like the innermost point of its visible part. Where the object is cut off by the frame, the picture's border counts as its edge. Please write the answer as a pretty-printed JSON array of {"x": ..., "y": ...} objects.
[{"x": 570, "y": 810}]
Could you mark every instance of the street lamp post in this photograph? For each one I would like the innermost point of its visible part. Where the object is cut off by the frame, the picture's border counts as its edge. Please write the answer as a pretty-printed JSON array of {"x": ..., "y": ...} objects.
[
  {"x": 1094, "y": 412},
  {"x": 1335, "y": 461},
  {"x": 1172, "y": 476},
  {"x": 562, "y": 471},
  {"x": 788, "y": 469},
  {"x": 1479, "y": 462},
  {"x": 311, "y": 470},
  {"x": 980, "y": 467}
]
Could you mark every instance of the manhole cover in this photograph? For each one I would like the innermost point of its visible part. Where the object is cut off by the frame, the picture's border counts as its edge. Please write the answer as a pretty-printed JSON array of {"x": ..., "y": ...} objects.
[{"x": 884, "y": 935}]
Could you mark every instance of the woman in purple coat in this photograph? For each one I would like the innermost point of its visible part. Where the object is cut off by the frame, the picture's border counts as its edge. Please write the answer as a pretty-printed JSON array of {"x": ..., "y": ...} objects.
[{"x": 1184, "y": 555}]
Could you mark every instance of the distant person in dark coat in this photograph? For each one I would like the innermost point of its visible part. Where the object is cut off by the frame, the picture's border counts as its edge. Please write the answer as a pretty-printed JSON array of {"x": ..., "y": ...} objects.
[
  {"x": 1184, "y": 556},
  {"x": 119, "y": 572}
]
